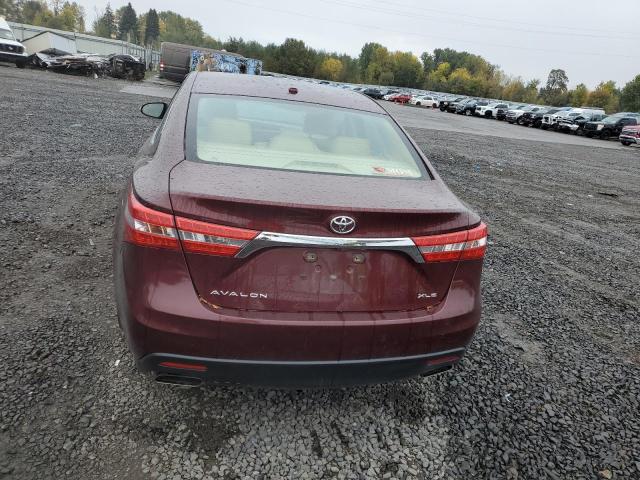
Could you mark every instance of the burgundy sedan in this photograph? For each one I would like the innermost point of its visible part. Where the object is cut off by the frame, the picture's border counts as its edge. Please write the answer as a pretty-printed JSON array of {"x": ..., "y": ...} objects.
[{"x": 282, "y": 233}]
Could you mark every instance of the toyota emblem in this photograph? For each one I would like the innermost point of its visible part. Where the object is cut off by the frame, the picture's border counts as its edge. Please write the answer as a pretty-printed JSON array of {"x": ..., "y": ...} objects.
[{"x": 342, "y": 224}]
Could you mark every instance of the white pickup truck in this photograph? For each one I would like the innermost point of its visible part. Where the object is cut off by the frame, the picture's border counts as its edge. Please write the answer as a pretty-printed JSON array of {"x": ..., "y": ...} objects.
[{"x": 10, "y": 49}]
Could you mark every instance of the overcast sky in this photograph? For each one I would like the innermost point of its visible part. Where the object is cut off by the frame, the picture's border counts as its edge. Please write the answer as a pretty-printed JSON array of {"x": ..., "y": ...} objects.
[{"x": 592, "y": 40}]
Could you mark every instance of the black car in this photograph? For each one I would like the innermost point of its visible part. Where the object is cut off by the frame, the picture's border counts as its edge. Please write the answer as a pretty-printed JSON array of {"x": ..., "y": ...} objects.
[
  {"x": 612, "y": 125},
  {"x": 373, "y": 93},
  {"x": 450, "y": 105},
  {"x": 528, "y": 117},
  {"x": 469, "y": 107},
  {"x": 532, "y": 118},
  {"x": 501, "y": 111},
  {"x": 462, "y": 107}
]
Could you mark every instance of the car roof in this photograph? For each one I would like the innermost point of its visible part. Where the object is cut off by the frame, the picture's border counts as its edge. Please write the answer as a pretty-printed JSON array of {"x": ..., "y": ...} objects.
[{"x": 278, "y": 88}]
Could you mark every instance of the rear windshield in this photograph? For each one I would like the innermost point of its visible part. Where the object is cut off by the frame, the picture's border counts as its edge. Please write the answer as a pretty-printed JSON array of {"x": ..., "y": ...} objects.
[{"x": 287, "y": 135}]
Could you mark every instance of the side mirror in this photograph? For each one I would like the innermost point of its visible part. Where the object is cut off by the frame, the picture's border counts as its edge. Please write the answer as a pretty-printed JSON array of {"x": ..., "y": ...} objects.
[{"x": 154, "y": 109}]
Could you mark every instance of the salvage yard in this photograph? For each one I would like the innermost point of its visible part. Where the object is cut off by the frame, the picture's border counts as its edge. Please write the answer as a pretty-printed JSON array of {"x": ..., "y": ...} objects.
[{"x": 549, "y": 389}]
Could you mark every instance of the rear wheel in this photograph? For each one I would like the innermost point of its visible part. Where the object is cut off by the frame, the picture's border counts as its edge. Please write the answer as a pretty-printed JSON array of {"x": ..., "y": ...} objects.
[{"x": 625, "y": 143}]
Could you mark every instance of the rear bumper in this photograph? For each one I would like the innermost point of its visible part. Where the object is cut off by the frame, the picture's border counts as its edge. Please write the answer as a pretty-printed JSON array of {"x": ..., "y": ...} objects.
[
  {"x": 630, "y": 139},
  {"x": 175, "y": 74},
  {"x": 337, "y": 373},
  {"x": 163, "y": 317}
]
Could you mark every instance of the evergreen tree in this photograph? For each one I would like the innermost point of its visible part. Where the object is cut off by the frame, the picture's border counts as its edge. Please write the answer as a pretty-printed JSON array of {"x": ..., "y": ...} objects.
[
  {"x": 152, "y": 29},
  {"x": 105, "y": 24},
  {"x": 127, "y": 23}
]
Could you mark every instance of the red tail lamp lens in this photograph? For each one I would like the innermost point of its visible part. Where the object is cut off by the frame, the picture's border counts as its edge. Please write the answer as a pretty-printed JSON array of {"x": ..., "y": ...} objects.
[
  {"x": 451, "y": 247},
  {"x": 202, "y": 237},
  {"x": 148, "y": 227}
]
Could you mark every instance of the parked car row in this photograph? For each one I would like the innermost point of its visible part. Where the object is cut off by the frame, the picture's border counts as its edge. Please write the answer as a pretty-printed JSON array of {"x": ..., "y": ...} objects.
[
  {"x": 422, "y": 99},
  {"x": 591, "y": 122}
]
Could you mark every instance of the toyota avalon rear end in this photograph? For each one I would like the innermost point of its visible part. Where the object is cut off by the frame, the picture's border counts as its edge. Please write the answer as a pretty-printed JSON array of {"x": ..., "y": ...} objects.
[{"x": 291, "y": 236}]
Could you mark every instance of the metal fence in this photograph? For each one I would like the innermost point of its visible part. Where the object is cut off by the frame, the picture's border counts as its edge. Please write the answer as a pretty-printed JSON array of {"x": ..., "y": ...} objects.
[{"x": 90, "y": 43}]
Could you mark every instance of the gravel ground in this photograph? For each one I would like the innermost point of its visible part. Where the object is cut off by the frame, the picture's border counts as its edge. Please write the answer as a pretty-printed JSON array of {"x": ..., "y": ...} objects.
[{"x": 549, "y": 390}]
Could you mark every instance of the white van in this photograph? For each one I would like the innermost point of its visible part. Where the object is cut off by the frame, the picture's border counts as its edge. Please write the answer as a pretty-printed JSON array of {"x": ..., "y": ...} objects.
[{"x": 10, "y": 49}]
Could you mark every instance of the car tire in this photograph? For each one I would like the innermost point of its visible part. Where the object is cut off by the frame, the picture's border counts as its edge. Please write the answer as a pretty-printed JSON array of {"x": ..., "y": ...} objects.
[
  {"x": 544, "y": 126},
  {"x": 589, "y": 135},
  {"x": 418, "y": 104},
  {"x": 604, "y": 135},
  {"x": 625, "y": 143},
  {"x": 21, "y": 64},
  {"x": 435, "y": 105}
]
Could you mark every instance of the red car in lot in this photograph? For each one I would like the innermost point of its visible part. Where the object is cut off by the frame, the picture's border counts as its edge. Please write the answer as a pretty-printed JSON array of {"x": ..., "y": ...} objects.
[
  {"x": 402, "y": 98},
  {"x": 630, "y": 135},
  {"x": 279, "y": 233}
]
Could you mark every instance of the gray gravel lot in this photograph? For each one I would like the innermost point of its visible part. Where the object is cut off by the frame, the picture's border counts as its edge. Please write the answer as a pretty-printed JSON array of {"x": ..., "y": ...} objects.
[{"x": 549, "y": 390}]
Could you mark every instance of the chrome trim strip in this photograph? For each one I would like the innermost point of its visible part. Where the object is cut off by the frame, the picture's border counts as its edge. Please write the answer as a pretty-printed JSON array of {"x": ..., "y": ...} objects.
[
  {"x": 365, "y": 361},
  {"x": 271, "y": 239}
]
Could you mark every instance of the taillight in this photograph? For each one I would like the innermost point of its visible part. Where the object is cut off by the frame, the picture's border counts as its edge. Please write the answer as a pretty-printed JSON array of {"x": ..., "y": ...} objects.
[
  {"x": 451, "y": 247},
  {"x": 202, "y": 237},
  {"x": 151, "y": 228},
  {"x": 161, "y": 66},
  {"x": 148, "y": 227}
]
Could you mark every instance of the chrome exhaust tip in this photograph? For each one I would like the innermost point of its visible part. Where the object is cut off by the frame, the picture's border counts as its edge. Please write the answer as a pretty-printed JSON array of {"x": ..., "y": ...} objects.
[{"x": 178, "y": 380}]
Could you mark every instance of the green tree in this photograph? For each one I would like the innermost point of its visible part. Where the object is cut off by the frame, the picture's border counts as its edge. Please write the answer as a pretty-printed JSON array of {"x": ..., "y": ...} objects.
[
  {"x": 152, "y": 28},
  {"x": 127, "y": 23},
  {"x": 350, "y": 69},
  {"x": 330, "y": 69},
  {"x": 428, "y": 62},
  {"x": 438, "y": 78},
  {"x": 32, "y": 11},
  {"x": 556, "y": 91},
  {"x": 386, "y": 78},
  {"x": 294, "y": 58},
  {"x": 71, "y": 16},
  {"x": 459, "y": 80},
  {"x": 235, "y": 45},
  {"x": 515, "y": 90},
  {"x": 606, "y": 96},
  {"x": 366, "y": 54},
  {"x": 10, "y": 10},
  {"x": 630, "y": 97},
  {"x": 531, "y": 91},
  {"x": 105, "y": 24},
  {"x": 179, "y": 29},
  {"x": 578, "y": 96},
  {"x": 380, "y": 68},
  {"x": 407, "y": 70}
]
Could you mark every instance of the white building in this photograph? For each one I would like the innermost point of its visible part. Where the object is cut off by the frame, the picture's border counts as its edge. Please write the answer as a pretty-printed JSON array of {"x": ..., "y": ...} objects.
[{"x": 83, "y": 43}]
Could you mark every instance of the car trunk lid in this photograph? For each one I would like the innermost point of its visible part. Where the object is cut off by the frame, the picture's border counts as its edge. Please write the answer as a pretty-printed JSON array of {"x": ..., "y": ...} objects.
[{"x": 299, "y": 264}]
